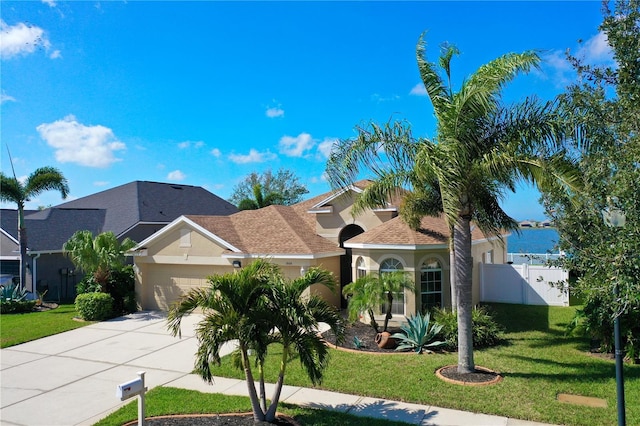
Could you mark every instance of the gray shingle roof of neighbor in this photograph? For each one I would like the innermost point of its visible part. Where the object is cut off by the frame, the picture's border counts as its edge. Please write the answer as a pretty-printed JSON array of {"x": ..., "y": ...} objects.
[
  {"x": 49, "y": 229},
  {"x": 9, "y": 220},
  {"x": 151, "y": 202}
]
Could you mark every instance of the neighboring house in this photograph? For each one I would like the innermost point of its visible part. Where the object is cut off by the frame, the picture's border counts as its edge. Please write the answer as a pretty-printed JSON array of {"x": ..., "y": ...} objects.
[
  {"x": 317, "y": 232},
  {"x": 135, "y": 210}
]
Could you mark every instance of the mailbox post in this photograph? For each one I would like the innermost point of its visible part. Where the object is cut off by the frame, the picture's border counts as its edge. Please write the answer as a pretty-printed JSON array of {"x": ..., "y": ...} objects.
[{"x": 132, "y": 388}]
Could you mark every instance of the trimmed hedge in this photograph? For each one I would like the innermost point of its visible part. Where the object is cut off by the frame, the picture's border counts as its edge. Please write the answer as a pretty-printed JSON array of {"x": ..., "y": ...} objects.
[
  {"x": 94, "y": 306},
  {"x": 16, "y": 306}
]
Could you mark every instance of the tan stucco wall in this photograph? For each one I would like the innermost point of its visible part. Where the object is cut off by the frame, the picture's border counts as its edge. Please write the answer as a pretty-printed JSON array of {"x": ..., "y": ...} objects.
[
  {"x": 412, "y": 261},
  {"x": 329, "y": 225},
  {"x": 170, "y": 245}
]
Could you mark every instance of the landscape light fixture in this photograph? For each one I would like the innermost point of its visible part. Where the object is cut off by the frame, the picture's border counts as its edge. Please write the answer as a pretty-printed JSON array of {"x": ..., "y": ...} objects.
[
  {"x": 237, "y": 264},
  {"x": 614, "y": 217}
]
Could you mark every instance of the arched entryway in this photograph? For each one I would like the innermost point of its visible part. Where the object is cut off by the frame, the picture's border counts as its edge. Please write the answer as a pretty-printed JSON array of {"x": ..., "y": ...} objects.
[{"x": 346, "y": 275}]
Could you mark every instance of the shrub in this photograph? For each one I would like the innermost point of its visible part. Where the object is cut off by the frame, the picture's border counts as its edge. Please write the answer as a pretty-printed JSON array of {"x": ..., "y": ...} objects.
[
  {"x": 94, "y": 306},
  {"x": 418, "y": 334},
  {"x": 486, "y": 331},
  {"x": 121, "y": 286},
  {"x": 12, "y": 306}
]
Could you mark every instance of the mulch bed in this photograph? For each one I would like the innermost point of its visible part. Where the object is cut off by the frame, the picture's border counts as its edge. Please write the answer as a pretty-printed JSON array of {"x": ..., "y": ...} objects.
[
  {"x": 365, "y": 333},
  {"x": 243, "y": 419},
  {"x": 481, "y": 376}
]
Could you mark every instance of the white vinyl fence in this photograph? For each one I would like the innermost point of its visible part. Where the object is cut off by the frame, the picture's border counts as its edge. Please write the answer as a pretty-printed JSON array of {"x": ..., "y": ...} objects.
[{"x": 522, "y": 284}]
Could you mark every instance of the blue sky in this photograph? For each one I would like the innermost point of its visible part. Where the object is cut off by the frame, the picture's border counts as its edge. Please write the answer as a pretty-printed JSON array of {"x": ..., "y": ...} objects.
[{"x": 203, "y": 93}]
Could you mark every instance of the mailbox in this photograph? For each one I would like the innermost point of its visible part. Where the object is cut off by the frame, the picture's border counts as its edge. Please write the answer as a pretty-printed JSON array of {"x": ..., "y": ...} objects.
[{"x": 130, "y": 389}]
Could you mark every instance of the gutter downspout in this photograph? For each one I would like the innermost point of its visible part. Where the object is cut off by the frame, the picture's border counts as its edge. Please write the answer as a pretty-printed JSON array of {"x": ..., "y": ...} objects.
[{"x": 34, "y": 275}]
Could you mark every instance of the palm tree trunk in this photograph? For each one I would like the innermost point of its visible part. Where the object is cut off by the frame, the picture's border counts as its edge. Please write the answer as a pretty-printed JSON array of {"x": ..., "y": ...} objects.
[
  {"x": 22, "y": 241},
  {"x": 275, "y": 399},
  {"x": 452, "y": 280},
  {"x": 388, "y": 316},
  {"x": 263, "y": 392},
  {"x": 258, "y": 414},
  {"x": 464, "y": 297}
]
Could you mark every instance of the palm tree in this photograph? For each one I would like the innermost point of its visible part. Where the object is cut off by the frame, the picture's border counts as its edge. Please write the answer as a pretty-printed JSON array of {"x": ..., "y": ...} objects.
[
  {"x": 296, "y": 313},
  {"x": 370, "y": 292},
  {"x": 14, "y": 191},
  {"x": 260, "y": 199},
  {"x": 482, "y": 148},
  {"x": 256, "y": 306},
  {"x": 98, "y": 256}
]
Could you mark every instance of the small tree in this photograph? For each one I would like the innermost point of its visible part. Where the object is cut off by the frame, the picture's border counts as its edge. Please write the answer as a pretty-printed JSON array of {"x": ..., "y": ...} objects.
[
  {"x": 256, "y": 306},
  {"x": 12, "y": 190},
  {"x": 369, "y": 293}
]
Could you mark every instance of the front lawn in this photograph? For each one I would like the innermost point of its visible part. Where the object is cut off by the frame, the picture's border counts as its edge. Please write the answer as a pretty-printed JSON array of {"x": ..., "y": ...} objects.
[
  {"x": 21, "y": 328},
  {"x": 166, "y": 401},
  {"x": 538, "y": 361}
]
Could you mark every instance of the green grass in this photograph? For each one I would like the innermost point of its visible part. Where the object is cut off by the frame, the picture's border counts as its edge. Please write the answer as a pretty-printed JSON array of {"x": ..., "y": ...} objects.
[
  {"x": 537, "y": 361},
  {"x": 21, "y": 328},
  {"x": 166, "y": 401}
]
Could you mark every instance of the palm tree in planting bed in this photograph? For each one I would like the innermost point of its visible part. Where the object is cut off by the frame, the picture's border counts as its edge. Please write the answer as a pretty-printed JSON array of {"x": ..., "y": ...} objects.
[
  {"x": 370, "y": 292},
  {"x": 256, "y": 306},
  {"x": 481, "y": 149},
  {"x": 14, "y": 191}
]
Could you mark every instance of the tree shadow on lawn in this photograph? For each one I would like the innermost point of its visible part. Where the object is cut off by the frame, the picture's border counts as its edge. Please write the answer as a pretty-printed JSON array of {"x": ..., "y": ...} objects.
[
  {"x": 388, "y": 412},
  {"x": 591, "y": 371}
]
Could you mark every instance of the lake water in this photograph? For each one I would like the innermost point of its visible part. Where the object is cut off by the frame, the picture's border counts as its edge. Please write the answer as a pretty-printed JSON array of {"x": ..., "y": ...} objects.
[{"x": 534, "y": 240}]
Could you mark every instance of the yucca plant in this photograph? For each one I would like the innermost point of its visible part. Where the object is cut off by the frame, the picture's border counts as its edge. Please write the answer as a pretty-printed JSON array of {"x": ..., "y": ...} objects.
[{"x": 418, "y": 334}]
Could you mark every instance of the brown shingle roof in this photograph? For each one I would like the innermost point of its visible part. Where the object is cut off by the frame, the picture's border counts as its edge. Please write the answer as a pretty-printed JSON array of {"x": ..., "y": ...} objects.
[
  {"x": 433, "y": 230},
  {"x": 268, "y": 231}
]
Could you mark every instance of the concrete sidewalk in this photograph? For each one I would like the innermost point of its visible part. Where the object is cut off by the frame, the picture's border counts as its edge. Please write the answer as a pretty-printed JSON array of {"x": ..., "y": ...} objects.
[{"x": 71, "y": 378}]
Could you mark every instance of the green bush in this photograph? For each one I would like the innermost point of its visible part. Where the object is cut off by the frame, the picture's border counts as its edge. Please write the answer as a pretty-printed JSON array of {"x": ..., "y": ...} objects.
[
  {"x": 12, "y": 306},
  {"x": 418, "y": 334},
  {"x": 486, "y": 331},
  {"x": 121, "y": 286},
  {"x": 94, "y": 306}
]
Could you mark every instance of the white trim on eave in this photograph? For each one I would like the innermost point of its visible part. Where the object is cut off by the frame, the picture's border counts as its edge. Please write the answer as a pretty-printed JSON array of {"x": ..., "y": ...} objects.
[
  {"x": 174, "y": 225},
  {"x": 281, "y": 255},
  {"x": 369, "y": 246},
  {"x": 8, "y": 235}
]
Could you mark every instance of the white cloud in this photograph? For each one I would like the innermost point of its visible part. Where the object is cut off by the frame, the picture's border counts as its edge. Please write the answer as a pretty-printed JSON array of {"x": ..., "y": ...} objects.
[
  {"x": 596, "y": 50},
  {"x": 418, "y": 90},
  {"x": 296, "y": 146},
  {"x": 100, "y": 183},
  {"x": 6, "y": 98},
  {"x": 55, "y": 54},
  {"x": 91, "y": 146},
  {"x": 253, "y": 157},
  {"x": 21, "y": 39},
  {"x": 376, "y": 97},
  {"x": 51, "y": 3},
  {"x": 216, "y": 152},
  {"x": 324, "y": 147},
  {"x": 323, "y": 178},
  {"x": 274, "y": 112},
  {"x": 176, "y": 175},
  {"x": 188, "y": 144}
]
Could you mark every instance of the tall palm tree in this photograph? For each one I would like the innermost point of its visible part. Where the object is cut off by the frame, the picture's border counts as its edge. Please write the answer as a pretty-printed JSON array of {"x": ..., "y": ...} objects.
[
  {"x": 98, "y": 256},
  {"x": 14, "y": 191},
  {"x": 370, "y": 292},
  {"x": 481, "y": 149},
  {"x": 256, "y": 306}
]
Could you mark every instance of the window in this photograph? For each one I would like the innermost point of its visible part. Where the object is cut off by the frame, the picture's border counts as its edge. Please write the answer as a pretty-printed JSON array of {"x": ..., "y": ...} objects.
[
  {"x": 185, "y": 238},
  {"x": 361, "y": 269},
  {"x": 430, "y": 285},
  {"x": 391, "y": 265}
]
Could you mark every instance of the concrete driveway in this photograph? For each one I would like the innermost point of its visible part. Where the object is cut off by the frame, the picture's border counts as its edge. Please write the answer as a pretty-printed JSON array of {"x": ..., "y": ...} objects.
[{"x": 71, "y": 378}]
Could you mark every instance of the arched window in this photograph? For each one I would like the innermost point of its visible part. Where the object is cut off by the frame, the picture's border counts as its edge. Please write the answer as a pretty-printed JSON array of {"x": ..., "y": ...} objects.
[
  {"x": 361, "y": 268},
  {"x": 391, "y": 265},
  {"x": 430, "y": 285}
]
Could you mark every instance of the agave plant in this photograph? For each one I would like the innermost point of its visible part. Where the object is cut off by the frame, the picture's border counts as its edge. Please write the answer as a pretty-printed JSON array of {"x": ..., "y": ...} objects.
[{"x": 418, "y": 334}]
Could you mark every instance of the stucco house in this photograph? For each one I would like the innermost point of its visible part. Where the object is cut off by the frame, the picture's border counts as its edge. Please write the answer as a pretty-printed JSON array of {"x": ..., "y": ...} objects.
[
  {"x": 317, "y": 232},
  {"x": 136, "y": 210}
]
